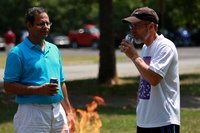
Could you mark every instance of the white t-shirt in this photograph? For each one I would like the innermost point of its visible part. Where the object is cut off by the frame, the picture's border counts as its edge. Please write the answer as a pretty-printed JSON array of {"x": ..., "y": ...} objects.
[{"x": 160, "y": 105}]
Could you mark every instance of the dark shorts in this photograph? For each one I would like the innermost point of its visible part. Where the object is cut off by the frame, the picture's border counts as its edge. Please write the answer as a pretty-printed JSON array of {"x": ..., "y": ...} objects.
[{"x": 165, "y": 129}]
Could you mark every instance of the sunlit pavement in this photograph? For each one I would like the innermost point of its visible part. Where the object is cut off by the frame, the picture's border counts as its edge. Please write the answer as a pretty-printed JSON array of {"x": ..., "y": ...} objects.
[
  {"x": 124, "y": 69},
  {"x": 189, "y": 62}
]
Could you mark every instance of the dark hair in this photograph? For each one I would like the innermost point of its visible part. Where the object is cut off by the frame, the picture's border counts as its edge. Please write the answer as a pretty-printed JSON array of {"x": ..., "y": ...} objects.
[{"x": 30, "y": 14}]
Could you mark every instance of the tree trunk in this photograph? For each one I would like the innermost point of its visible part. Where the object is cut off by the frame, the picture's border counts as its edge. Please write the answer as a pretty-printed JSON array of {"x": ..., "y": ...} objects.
[{"x": 107, "y": 61}]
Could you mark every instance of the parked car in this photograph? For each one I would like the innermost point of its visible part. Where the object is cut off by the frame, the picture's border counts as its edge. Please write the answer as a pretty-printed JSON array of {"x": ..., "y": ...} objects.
[
  {"x": 87, "y": 36},
  {"x": 180, "y": 37},
  {"x": 58, "y": 40},
  {"x": 61, "y": 40},
  {"x": 196, "y": 37},
  {"x": 2, "y": 44}
]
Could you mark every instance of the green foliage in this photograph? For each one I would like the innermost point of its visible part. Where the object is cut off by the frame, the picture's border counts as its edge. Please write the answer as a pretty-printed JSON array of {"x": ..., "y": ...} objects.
[
  {"x": 12, "y": 14},
  {"x": 186, "y": 13},
  {"x": 68, "y": 15},
  {"x": 121, "y": 10}
]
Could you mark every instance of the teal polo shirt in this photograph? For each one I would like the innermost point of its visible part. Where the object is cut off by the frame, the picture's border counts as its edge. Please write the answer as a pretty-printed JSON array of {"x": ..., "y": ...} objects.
[{"x": 29, "y": 65}]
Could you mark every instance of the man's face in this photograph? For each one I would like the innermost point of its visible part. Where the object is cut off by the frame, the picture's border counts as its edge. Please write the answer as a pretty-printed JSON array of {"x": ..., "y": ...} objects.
[
  {"x": 140, "y": 31},
  {"x": 41, "y": 27}
]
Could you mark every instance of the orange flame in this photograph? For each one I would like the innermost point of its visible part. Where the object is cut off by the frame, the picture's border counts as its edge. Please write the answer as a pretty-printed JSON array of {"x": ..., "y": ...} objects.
[{"x": 89, "y": 121}]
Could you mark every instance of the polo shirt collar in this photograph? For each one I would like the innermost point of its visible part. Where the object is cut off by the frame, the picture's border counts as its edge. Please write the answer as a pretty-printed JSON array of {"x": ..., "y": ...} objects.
[{"x": 30, "y": 44}]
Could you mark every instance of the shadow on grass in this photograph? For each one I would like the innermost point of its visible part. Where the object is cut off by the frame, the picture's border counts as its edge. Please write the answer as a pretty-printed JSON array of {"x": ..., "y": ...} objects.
[
  {"x": 190, "y": 86},
  {"x": 116, "y": 111},
  {"x": 7, "y": 112},
  {"x": 126, "y": 87},
  {"x": 7, "y": 106}
]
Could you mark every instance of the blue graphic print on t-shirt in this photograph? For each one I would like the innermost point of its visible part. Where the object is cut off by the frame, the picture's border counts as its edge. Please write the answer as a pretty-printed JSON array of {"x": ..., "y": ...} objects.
[{"x": 145, "y": 87}]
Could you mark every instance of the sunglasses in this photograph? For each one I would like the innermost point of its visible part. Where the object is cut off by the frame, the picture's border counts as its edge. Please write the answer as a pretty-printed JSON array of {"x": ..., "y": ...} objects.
[{"x": 135, "y": 26}]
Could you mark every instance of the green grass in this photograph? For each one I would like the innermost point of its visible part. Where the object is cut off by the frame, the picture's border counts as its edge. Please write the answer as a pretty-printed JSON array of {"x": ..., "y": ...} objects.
[
  {"x": 116, "y": 119},
  {"x": 6, "y": 116},
  {"x": 190, "y": 121},
  {"x": 125, "y": 87},
  {"x": 190, "y": 85},
  {"x": 2, "y": 60}
]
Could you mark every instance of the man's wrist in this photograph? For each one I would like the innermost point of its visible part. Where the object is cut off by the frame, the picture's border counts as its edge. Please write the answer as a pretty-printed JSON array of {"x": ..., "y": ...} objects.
[
  {"x": 69, "y": 114},
  {"x": 134, "y": 58}
]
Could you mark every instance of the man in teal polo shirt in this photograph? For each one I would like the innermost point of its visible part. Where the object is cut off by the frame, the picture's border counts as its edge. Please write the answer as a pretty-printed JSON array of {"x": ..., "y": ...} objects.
[{"x": 44, "y": 107}]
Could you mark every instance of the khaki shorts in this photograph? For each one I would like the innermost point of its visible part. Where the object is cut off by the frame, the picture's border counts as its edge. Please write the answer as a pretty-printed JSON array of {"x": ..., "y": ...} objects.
[{"x": 40, "y": 118}]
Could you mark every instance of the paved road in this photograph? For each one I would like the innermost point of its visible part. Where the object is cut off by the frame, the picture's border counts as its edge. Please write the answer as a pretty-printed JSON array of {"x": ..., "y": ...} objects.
[{"x": 189, "y": 62}]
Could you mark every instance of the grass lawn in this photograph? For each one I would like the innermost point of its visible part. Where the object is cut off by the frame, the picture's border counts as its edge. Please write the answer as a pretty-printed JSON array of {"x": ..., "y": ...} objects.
[{"x": 115, "y": 119}]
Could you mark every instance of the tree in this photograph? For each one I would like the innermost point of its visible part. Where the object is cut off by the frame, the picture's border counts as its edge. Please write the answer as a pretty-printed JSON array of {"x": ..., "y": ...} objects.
[
  {"x": 107, "y": 63},
  {"x": 186, "y": 13}
]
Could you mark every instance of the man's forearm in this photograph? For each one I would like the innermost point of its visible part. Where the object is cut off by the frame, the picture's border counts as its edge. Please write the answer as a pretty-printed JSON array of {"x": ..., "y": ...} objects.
[{"x": 19, "y": 89}]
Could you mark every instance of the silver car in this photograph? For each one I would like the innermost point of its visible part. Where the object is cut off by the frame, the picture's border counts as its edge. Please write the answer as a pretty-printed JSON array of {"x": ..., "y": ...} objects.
[
  {"x": 59, "y": 40},
  {"x": 2, "y": 44}
]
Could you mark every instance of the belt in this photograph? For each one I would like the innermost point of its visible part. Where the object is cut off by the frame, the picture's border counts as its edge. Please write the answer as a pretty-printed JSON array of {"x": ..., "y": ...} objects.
[{"x": 53, "y": 105}]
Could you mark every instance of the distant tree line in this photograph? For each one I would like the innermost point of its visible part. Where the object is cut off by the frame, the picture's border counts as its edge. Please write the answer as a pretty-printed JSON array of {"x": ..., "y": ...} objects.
[{"x": 68, "y": 15}]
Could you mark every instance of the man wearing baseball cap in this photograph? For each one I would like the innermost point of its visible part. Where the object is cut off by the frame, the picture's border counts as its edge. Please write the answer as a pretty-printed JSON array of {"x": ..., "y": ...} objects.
[{"x": 158, "y": 104}]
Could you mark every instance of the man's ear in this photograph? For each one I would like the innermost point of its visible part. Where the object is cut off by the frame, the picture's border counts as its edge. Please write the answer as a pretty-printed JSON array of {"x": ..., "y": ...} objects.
[
  {"x": 151, "y": 26},
  {"x": 28, "y": 25}
]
